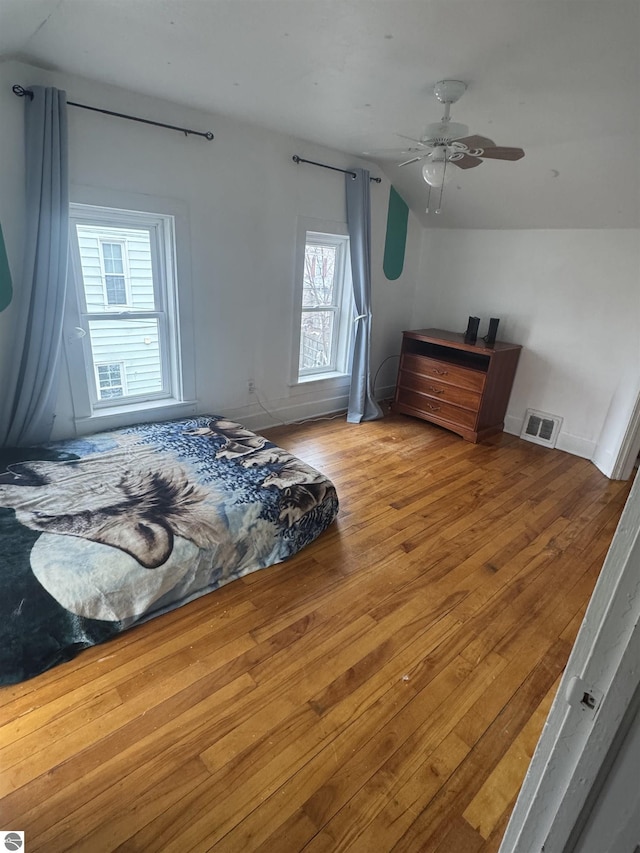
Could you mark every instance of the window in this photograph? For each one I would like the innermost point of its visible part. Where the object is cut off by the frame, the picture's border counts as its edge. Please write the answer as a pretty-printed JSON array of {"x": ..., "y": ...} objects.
[
  {"x": 125, "y": 345},
  {"x": 325, "y": 306}
]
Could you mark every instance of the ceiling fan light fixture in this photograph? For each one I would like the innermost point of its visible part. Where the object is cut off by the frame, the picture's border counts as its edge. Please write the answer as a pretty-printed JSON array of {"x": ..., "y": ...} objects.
[{"x": 436, "y": 170}]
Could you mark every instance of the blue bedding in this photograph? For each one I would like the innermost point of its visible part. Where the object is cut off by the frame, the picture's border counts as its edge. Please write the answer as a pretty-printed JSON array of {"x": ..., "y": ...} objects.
[{"x": 104, "y": 532}]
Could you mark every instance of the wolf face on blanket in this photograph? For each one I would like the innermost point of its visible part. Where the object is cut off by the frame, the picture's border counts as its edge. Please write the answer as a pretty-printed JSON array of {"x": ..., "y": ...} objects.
[
  {"x": 139, "y": 502},
  {"x": 133, "y": 502}
]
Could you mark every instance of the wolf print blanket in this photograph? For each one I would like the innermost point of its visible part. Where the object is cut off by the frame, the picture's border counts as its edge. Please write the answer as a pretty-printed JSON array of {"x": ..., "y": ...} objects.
[{"x": 107, "y": 531}]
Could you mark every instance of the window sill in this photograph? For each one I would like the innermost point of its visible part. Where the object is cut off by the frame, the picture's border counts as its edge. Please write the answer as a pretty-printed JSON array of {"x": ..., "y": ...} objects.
[
  {"x": 121, "y": 416},
  {"x": 321, "y": 377}
]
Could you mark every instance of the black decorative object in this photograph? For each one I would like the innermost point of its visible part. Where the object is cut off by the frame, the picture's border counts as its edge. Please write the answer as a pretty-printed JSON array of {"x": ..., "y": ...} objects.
[
  {"x": 471, "y": 335},
  {"x": 490, "y": 337}
]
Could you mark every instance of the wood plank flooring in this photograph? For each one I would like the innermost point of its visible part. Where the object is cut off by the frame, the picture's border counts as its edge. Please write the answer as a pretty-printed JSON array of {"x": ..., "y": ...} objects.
[{"x": 383, "y": 690}]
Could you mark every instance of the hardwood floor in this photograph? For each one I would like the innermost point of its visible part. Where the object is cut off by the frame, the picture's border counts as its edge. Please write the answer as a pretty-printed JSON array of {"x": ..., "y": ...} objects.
[{"x": 383, "y": 690}]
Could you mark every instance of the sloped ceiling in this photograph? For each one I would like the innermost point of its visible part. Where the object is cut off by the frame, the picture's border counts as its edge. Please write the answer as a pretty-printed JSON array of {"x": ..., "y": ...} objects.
[{"x": 560, "y": 78}]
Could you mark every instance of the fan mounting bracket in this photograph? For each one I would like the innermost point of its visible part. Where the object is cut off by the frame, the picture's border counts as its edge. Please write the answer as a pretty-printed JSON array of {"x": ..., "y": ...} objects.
[{"x": 449, "y": 91}]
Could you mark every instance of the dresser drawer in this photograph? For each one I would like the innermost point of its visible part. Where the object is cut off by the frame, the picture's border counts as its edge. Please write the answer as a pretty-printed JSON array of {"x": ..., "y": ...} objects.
[
  {"x": 439, "y": 391},
  {"x": 430, "y": 407},
  {"x": 451, "y": 374}
]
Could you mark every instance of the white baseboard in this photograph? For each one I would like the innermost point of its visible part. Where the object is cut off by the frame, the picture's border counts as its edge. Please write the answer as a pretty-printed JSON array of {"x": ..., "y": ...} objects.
[
  {"x": 386, "y": 393},
  {"x": 512, "y": 425},
  {"x": 576, "y": 446},
  {"x": 605, "y": 461},
  {"x": 281, "y": 412},
  {"x": 569, "y": 443},
  {"x": 287, "y": 411}
]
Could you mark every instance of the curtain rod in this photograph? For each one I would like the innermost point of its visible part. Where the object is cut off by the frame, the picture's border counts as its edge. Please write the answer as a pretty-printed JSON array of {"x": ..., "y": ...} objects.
[
  {"x": 21, "y": 92},
  {"x": 297, "y": 159}
]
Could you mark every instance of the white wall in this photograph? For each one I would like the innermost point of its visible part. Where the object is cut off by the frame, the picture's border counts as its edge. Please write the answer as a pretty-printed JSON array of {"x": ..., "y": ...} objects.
[
  {"x": 571, "y": 298},
  {"x": 619, "y": 442},
  {"x": 240, "y": 196}
]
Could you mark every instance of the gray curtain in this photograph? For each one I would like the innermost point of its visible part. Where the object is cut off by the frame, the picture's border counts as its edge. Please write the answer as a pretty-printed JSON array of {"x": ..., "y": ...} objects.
[
  {"x": 362, "y": 406},
  {"x": 42, "y": 290}
]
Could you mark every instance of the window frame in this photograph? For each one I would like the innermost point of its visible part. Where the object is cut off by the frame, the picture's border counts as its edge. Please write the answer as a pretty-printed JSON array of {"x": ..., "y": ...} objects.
[
  {"x": 83, "y": 378},
  {"x": 333, "y": 234}
]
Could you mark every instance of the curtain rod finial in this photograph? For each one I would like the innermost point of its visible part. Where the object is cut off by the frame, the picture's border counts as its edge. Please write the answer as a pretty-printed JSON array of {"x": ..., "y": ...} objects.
[{"x": 21, "y": 92}]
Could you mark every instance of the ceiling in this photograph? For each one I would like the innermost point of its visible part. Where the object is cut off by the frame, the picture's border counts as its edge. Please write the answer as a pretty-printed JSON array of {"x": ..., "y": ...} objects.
[{"x": 559, "y": 78}]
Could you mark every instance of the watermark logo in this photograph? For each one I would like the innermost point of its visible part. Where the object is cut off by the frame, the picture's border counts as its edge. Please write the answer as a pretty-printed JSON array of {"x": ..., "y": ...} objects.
[{"x": 12, "y": 840}]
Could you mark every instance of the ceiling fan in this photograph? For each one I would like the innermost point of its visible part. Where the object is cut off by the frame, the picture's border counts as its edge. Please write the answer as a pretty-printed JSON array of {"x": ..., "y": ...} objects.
[{"x": 445, "y": 144}]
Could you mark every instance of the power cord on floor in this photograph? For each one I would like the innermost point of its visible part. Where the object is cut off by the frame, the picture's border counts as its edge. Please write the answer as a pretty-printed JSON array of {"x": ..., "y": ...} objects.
[
  {"x": 295, "y": 423},
  {"x": 375, "y": 378},
  {"x": 322, "y": 417}
]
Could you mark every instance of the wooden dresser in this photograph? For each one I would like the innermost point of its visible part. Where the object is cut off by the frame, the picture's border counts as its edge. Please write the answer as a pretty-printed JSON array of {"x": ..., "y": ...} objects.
[{"x": 463, "y": 387}]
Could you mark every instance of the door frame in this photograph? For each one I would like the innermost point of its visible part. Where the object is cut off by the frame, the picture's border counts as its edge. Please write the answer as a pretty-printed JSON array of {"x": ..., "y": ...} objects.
[{"x": 629, "y": 448}]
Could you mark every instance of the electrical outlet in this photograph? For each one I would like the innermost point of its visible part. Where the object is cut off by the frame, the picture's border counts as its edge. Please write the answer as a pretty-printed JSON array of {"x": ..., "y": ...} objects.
[{"x": 251, "y": 386}]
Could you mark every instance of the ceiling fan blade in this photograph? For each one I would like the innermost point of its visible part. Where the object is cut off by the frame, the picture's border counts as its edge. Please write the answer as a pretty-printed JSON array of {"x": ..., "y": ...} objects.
[
  {"x": 477, "y": 142},
  {"x": 466, "y": 162},
  {"x": 499, "y": 152},
  {"x": 391, "y": 153},
  {"x": 413, "y": 139},
  {"x": 412, "y": 160}
]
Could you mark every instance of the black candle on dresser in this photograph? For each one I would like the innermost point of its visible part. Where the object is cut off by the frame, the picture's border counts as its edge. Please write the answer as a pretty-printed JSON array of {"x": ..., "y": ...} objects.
[
  {"x": 490, "y": 337},
  {"x": 471, "y": 335}
]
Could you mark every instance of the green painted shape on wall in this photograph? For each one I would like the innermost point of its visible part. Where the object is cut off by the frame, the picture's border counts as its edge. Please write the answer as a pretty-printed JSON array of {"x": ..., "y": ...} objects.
[
  {"x": 396, "y": 239},
  {"x": 6, "y": 290}
]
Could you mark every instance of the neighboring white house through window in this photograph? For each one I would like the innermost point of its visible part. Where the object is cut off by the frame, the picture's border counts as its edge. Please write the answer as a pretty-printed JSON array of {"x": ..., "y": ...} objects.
[
  {"x": 115, "y": 280},
  {"x": 110, "y": 380},
  {"x": 325, "y": 306},
  {"x": 125, "y": 311}
]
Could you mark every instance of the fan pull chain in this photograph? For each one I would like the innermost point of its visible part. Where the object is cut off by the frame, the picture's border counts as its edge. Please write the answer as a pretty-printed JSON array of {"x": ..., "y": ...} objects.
[
  {"x": 441, "y": 188},
  {"x": 437, "y": 210},
  {"x": 444, "y": 172}
]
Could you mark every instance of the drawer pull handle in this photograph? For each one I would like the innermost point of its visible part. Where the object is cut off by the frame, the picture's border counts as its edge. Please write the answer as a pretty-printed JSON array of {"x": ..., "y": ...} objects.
[
  {"x": 435, "y": 390},
  {"x": 440, "y": 372},
  {"x": 433, "y": 408}
]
